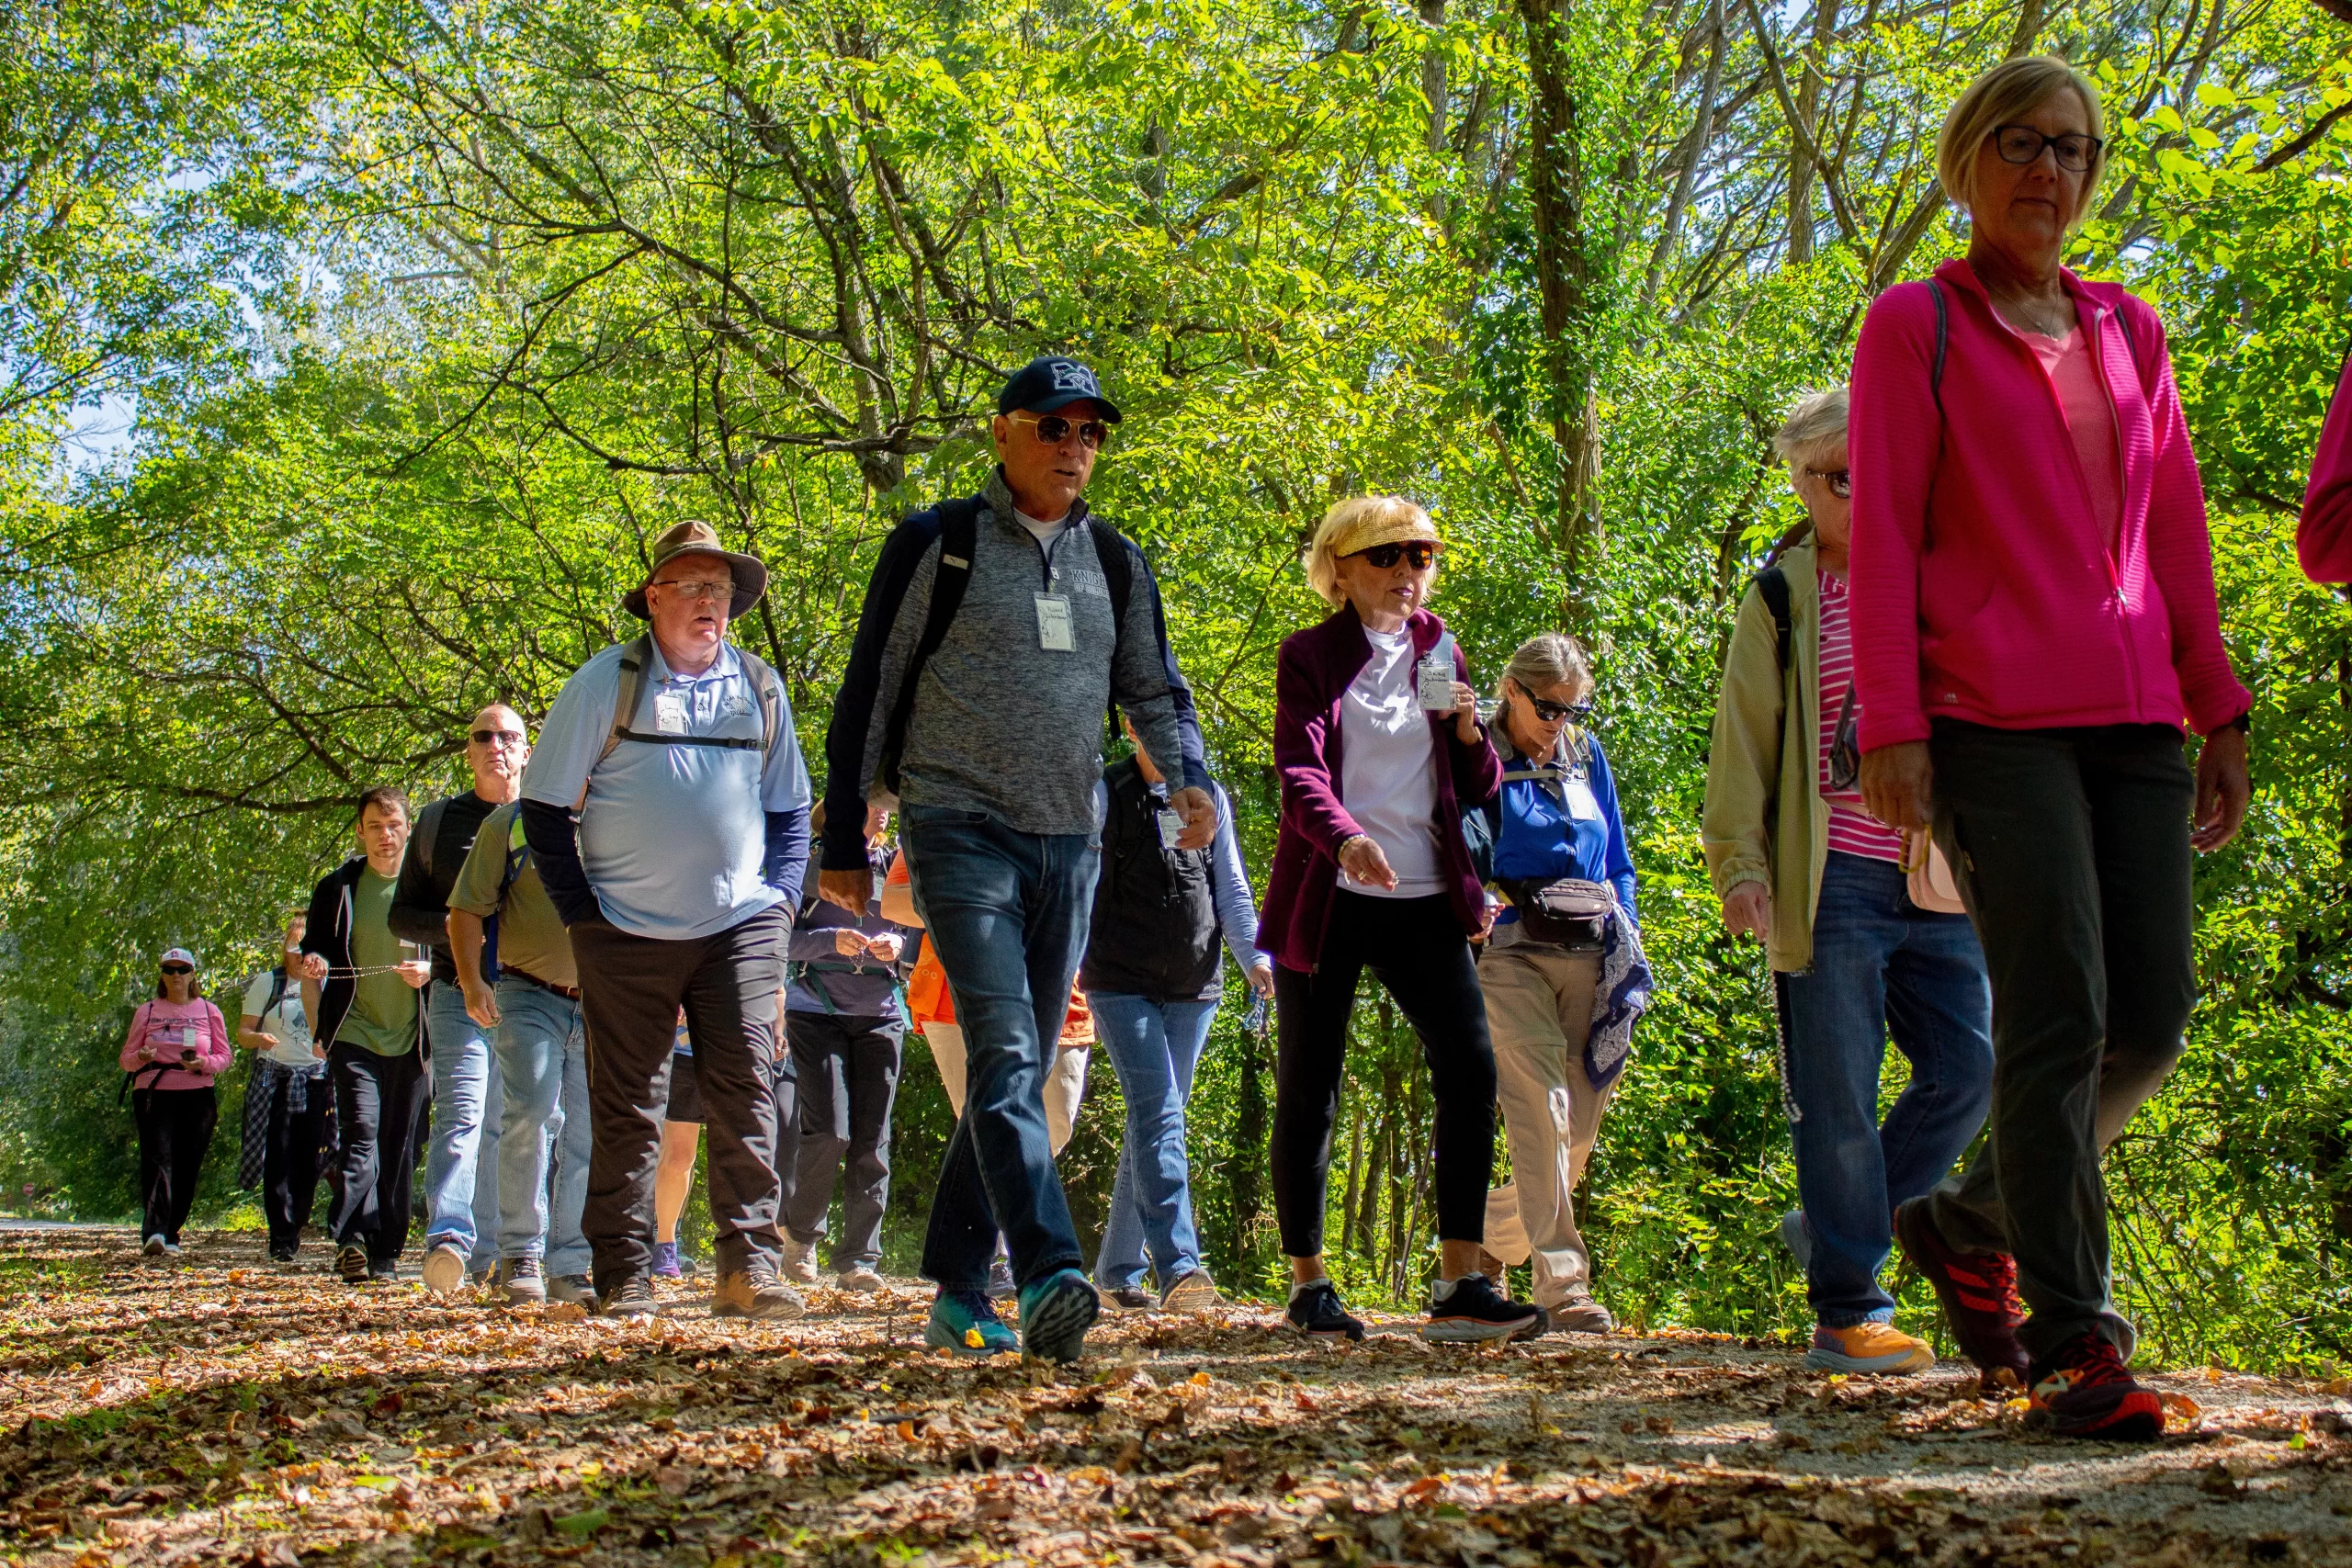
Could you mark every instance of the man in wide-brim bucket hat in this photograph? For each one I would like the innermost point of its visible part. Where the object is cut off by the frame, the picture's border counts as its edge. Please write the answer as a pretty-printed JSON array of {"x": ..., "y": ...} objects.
[{"x": 700, "y": 539}]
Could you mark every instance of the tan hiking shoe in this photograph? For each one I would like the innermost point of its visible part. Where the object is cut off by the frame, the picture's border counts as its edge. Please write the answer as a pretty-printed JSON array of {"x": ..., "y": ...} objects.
[{"x": 756, "y": 1293}]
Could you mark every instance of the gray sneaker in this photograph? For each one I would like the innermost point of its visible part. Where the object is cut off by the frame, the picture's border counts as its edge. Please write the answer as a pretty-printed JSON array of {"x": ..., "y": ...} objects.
[
  {"x": 1192, "y": 1290},
  {"x": 860, "y": 1278},
  {"x": 524, "y": 1280},
  {"x": 756, "y": 1293},
  {"x": 799, "y": 1261},
  {"x": 572, "y": 1288}
]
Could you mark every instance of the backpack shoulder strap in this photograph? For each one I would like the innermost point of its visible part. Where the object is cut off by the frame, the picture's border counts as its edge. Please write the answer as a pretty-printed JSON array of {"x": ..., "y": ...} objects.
[
  {"x": 428, "y": 827},
  {"x": 518, "y": 850},
  {"x": 1772, "y": 584},
  {"x": 1118, "y": 571},
  {"x": 959, "y": 534},
  {"x": 770, "y": 686},
  {"x": 277, "y": 990},
  {"x": 634, "y": 658},
  {"x": 1943, "y": 344}
]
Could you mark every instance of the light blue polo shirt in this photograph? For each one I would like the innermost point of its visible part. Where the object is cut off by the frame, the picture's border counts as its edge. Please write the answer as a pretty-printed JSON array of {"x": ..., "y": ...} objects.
[{"x": 671, "y": 836}]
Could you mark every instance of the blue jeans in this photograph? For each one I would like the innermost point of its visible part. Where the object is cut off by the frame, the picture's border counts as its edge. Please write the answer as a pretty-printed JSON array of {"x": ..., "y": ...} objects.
[
  {"x": 1007, "y": 912},
  {"x": 1154, "y": 1048},
  {"x": 459, "y": 1210},
  {"x": 544, "y": 1132},
  {"x": 1881, "y": 966}
]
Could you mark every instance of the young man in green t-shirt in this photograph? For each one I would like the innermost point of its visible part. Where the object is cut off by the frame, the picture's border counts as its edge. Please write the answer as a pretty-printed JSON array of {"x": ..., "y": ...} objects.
[{"x": 360, "y": 985}]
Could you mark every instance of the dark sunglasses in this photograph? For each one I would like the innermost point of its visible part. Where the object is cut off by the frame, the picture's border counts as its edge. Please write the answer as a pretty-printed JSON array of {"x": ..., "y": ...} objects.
[
  {"x": 1053, "y": 430},
  {"x": 511, "y": 737},
  {"x": 1840, "y": 480},
  {"x": 1421, "y": 552},
  {"x": 177, "y": 969},
  {"x": 2023, "y": 144},
  {"x": 1554, "y": 713}
]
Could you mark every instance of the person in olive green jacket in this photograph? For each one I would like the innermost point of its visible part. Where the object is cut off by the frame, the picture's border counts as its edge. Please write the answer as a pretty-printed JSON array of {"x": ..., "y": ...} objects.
[{"x": 1800, "y": 865}]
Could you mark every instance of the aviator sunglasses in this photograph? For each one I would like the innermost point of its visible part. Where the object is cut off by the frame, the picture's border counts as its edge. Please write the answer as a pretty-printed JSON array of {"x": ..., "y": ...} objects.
[
  {"x": 1421, "y": 552},
  {"x": 1053, "y": 430}
]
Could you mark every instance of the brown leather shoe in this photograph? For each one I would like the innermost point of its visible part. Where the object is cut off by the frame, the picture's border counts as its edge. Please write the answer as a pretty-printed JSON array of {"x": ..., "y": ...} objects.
[{"x": 756, "y": 1292}]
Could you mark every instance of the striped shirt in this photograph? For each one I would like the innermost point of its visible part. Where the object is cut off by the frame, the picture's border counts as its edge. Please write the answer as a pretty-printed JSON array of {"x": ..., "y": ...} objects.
[{"x": 1852, "y": 829}]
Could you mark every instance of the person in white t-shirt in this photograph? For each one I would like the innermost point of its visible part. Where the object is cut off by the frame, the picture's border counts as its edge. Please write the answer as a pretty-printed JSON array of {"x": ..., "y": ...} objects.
[
  {"x": 290, "y": 1112},
  {"x": 1380, "y": 749}
]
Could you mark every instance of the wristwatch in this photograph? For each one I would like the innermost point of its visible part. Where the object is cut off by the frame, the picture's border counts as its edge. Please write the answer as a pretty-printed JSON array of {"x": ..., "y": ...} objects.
[{"x": 2243, "y": 724}]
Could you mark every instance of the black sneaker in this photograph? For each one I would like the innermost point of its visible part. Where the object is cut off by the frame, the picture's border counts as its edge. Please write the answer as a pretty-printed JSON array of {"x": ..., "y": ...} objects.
[
  {"x": 1001, "y": 1285},
  {"x": 351, "y": 1262},
  {"x": 383, "y": 1268},
  {"x": 282, "y": 1252},
  {"x": 633, "y": 1297},
  {"x": 1127, "y": 1298},
  {"x": 1315, "y": 1310},
  {"x": 1474, "y": 1311}
]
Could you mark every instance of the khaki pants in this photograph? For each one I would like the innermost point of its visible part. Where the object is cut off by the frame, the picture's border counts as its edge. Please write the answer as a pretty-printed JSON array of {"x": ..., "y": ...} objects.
[
  {"x": 1065, "y": 1084},
  {"x": 1539, "y": 1008}
]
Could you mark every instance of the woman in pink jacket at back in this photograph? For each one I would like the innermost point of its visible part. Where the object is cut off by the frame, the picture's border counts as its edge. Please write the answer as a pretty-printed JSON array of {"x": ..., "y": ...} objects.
[
  {"x": 177, "y": 1045},
  {"x": 2323, "y": 540},
  {"x": 2034, "y": 626}
]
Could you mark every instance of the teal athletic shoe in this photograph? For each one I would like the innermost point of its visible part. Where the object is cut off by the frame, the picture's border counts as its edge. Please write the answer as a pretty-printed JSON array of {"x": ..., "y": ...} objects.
[
  {"x": 965, "y": 1321},
  {"x": 1056, "y": 1312}
]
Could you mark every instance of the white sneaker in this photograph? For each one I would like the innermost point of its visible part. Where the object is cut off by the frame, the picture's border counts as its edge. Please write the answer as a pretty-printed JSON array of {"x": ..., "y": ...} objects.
[
  {"x": 445, "y": 1269},
  {"x": 799, "y": 1261}
]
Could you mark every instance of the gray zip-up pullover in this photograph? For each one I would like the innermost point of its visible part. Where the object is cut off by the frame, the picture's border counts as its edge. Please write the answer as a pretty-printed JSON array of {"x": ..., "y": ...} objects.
[{"x": 1002, "y": 724}]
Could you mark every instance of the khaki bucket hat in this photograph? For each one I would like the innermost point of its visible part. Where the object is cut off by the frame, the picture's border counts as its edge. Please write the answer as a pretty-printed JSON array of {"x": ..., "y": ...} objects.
[{"x": 701, "y": 539}]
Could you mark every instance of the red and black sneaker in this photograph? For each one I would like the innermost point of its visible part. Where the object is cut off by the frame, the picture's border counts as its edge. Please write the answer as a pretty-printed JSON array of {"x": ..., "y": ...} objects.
[
  {"x": 2084, "y": 1390},
  {"x": 1978, "y": 1290}
]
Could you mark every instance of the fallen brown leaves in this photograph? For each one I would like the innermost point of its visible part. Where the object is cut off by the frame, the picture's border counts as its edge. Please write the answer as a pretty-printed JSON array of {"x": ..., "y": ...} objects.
[{"x": 218, "y": 1410}]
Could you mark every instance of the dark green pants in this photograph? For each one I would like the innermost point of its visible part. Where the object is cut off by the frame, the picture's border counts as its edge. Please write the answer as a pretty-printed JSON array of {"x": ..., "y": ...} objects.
[{"x": 2071, "y": 848}]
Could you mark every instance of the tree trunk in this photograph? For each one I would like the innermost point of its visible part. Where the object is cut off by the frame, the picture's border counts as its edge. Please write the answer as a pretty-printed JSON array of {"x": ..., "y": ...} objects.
[
  {"x": 1801, "y": 172},
  {"x": 1567, "y": 303}
]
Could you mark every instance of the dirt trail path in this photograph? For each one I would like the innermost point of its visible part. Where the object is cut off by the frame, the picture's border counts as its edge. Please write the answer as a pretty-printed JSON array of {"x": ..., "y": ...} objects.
[{"x": 217, "y": 1409}]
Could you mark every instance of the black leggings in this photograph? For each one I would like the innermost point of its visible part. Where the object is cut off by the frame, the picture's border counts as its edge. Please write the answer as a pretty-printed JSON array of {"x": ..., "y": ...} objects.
[
  {"x": 175, "y": 1130},
  {"x": 1415, "y": 948}
]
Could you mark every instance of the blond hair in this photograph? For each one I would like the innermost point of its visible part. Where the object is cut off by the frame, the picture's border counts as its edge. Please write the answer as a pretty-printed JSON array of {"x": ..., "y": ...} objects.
[
  {"x": 1323, "y": 562},
  {"x": 1545, "y": 659},
  {"x": 1815, "y": 425},
  {"x": 2000, "y": 96}
]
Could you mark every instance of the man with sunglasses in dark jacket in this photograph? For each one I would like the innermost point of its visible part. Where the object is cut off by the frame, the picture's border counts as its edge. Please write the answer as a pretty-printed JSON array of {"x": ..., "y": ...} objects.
[{"x": 995, "y": 632}]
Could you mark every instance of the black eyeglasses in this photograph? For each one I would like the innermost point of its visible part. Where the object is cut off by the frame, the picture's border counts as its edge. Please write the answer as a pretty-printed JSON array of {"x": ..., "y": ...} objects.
[
  {"x": 1053, "y": 430},
  {"x": 1421, "y": 552},
  {"x": 1840, "y": 480},
  {"x": 510, "y": 737},
  {"x": 177, "y": 969},
  {"x": 2023, "y": 144}
]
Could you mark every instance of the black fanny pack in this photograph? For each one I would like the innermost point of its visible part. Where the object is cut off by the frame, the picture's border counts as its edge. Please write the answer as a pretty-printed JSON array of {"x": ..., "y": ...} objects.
[{"x": 1571, "y": 912}]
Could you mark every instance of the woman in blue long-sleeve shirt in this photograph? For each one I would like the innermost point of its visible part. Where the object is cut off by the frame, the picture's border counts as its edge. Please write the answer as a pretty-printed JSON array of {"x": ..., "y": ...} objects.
[
  {"x": 1153, "y": 975},
  {"x": 1560, "y": 860}
]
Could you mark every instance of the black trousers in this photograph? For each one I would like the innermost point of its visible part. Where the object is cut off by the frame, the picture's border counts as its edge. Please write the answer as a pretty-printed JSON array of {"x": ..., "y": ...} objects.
[
  {"x": 380, "y": 1103},
  {"x": 289, "y": 1161},
  {"x": 847, "y": 1072},
  {"x": 2073, "y": 853},
  {"x": 631, "y": 988},
  {"x": 1416, "y": 949},
  {"x": 175, "y": 1130}
]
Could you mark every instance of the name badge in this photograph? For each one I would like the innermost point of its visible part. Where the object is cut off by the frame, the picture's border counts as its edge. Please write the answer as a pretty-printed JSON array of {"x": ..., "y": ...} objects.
[
  {"x": 1435, "y": 679},
  {"x": 669, "y": 712},
  {"x": 1583, "y": 804},
  {"x": 1053, "y": 624}
]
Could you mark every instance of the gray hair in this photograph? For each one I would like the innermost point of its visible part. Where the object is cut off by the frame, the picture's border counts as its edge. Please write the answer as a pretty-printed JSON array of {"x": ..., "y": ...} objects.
[
  {"x": 1815, "y": 427},
  {"x": 1545, "y": 659}
]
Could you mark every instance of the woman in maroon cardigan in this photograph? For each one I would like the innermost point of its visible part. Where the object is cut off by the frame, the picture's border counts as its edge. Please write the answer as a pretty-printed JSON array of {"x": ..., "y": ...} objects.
[{"x": 1378, "y": 738}]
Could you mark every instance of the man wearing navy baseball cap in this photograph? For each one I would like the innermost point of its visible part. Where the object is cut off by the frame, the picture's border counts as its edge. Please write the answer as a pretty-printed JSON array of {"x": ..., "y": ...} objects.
[{"x": 996, "y": 631}]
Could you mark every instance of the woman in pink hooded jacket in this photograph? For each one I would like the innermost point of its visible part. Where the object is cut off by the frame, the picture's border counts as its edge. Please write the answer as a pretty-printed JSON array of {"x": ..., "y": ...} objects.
[
  {"x": 2034, "y": 626},
  {"x": 2323, "y": 540},
  {"x": 177, "y": 1045}
]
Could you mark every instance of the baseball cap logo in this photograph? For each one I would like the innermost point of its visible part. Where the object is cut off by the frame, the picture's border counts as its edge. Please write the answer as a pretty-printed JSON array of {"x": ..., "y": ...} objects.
[{"x": 1072, "y": 376}]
